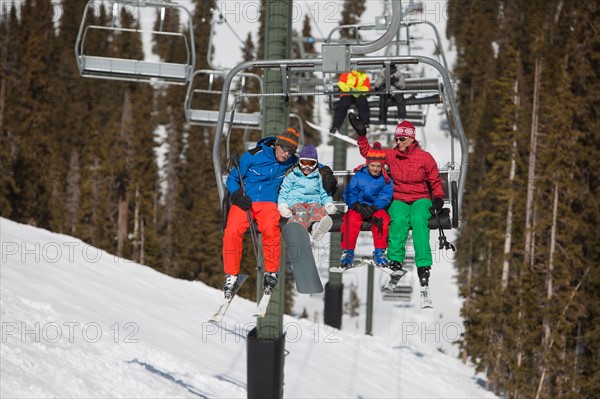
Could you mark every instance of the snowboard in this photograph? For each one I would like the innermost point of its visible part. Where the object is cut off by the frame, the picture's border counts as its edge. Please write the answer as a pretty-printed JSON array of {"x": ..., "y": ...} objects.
[
  {"x": 222, "y": 309},
  {"x": 299, "y": 254}
]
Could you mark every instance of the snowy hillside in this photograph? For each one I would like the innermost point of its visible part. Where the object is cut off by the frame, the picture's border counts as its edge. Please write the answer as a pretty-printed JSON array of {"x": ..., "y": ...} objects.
[{"x": 78, "y": 322}]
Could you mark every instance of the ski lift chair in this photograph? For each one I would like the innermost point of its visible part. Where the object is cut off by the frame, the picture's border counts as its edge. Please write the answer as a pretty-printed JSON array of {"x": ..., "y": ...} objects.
[
  {"x": 206, "y": 83},
  {"x": 419, "y": 92},
  {"x": 453, "y": 178},
  {"x": 92, "y": 62},
  {"x": 448, "y": 217}
]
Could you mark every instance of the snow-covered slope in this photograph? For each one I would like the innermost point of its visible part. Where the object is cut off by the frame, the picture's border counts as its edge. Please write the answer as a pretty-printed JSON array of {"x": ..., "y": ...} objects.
[{"x": 78, "y": 322}]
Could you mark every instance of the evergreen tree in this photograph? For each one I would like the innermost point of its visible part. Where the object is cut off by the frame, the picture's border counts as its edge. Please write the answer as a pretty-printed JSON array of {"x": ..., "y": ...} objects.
[
  {"x": 34, "y": 196},
  {"x": 351, "y": 12},
  {"x": 528, "y": 309}
]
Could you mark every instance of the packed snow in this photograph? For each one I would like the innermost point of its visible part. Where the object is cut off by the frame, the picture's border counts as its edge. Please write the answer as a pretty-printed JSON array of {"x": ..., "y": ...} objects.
[{"x": 79, "y": 322}]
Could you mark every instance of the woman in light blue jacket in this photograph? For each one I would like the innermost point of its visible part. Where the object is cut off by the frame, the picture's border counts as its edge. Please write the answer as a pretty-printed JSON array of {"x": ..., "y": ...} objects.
[{"x": 302, "y": 198}]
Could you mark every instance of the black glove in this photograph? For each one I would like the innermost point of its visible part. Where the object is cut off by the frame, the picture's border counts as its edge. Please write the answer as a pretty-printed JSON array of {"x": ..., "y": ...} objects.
[
  {"x": 365, "y": 210},
  {"x": 437, "y": 206},
  {"x": 329, "y": 181},
  {"x": 357, "y": 124},
  {"x": 243, "y": 201}
]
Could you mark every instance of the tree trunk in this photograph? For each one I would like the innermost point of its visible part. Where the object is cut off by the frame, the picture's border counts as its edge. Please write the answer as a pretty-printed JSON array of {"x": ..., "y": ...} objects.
[
  {"x": 173, "y": 140},
  {"x": 136, "y": 226},
  {"x": 123, "y": 174},
  {"x": 142, "y": 242},
  {"x": 122, "y": 220},
  {"x": 465, "y": 354},
  {"x": 509, "y": 211},
  {"x": 532, "y": 161},
  {"x": 549, "y": 289},
  {"x": 73, "y": 192}
]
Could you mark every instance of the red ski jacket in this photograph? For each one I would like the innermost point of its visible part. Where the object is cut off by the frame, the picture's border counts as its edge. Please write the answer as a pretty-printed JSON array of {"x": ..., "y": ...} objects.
[{"x": 409, "y": 171}]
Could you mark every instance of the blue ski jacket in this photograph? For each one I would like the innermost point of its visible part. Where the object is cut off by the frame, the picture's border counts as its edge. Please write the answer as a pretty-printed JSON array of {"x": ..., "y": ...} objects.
[
  {"x": 298, "y": 188},
  {"x": 368, "y": 189},
  {"x": 262, "y": 174}
]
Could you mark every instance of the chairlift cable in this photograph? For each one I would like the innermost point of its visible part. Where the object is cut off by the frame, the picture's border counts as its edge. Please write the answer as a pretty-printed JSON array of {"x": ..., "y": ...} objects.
[
  {"x": 222, "y": 17},
  {"x": 313, "y": 18}
]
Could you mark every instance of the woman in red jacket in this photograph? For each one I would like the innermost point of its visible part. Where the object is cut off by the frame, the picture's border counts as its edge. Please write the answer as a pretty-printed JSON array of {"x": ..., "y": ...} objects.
[{"x": 412, "y": 170}]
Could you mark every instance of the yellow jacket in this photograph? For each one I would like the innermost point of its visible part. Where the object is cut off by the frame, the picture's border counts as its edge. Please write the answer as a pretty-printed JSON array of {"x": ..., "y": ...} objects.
[{"x": 354, "y": 81}]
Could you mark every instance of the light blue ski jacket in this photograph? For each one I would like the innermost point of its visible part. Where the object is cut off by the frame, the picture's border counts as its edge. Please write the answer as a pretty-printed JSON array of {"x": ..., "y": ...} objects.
[{"x": 298, "y": 188}]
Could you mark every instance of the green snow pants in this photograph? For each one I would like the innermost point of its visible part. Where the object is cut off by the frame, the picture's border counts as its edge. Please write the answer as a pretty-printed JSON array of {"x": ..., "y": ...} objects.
[{"x": 404, "y": 216}]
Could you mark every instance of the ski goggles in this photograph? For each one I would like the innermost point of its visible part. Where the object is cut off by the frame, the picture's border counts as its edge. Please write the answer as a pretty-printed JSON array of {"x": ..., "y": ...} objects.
[
  {"x": 286, "y": 150},
  {"x": 307, "y": 163}
]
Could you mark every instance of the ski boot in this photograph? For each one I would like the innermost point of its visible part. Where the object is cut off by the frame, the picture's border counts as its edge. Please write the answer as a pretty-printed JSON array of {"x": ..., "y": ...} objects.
[
  {"x": 269, "y": 282},
  {"x": 426, "y": 301},
  {"x": 394, "y": 265},
  {"x": 379, "y": 258},
  {"x": 321, "y": 228},
  {"x": 423, "y": 273},
  {"x": 229, "y": 286},
  {"x": 347, "y": 258}
]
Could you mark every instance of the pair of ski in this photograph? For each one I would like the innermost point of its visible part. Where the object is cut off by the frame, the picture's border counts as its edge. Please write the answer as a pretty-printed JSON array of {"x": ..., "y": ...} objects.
[
  {"x": 261, "y": 308},
  {"x": 395, "y": 277},
  {"x": 299, "y": 254}
]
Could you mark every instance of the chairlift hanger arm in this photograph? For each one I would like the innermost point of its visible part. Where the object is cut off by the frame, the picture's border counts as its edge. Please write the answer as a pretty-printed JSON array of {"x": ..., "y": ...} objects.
[
  {"x": 438, "y": 41},
  {"x": 387, "y": 37}
]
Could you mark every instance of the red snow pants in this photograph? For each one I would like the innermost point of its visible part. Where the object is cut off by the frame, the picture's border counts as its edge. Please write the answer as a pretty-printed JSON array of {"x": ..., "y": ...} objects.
[
  {"x": 267, "y": 217},
  {"x": 351, "y": 228}
]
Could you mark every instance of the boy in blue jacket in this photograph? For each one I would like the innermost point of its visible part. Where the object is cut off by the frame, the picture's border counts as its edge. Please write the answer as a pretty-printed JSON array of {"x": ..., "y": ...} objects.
[
  {"x": 302, "y": 197},
  {"x": 368, "y": 194}
]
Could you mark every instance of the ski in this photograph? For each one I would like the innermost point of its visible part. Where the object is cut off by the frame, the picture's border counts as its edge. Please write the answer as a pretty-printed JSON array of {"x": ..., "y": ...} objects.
[
  {"x": 366, "y": 261},
  {"x": 218, "y": 315},
  {"x": 340, "y": 269},
  {"x": 426, "y": 298},
  {"x": 394, "y": 279},
  {"x": 261, "y": 308}
]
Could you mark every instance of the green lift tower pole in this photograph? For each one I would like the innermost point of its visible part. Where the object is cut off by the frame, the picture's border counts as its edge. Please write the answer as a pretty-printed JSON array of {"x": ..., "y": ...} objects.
[
  {"x": 334, "y": 289},
  {"x": 275, "y": 114},
  {"x": 266, "y": 342}
]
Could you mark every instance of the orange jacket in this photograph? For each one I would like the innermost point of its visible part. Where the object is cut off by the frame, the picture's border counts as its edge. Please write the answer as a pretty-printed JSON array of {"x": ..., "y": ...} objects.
[{"x": 354, "y": 81}]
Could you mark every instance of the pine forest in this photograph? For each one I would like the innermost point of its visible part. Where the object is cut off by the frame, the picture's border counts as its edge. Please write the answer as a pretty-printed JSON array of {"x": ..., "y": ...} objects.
[{"x": 81, "y": 157}]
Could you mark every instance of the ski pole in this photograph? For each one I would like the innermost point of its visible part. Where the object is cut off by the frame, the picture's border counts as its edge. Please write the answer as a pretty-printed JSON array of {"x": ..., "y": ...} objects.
[{"x": 444, "y": 244}]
